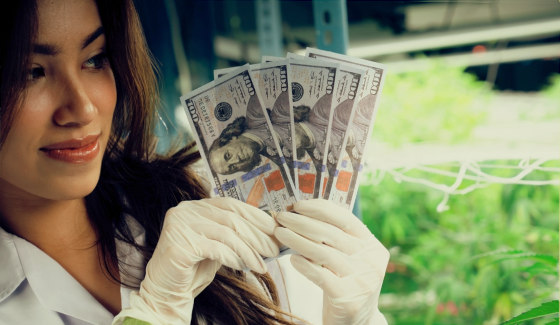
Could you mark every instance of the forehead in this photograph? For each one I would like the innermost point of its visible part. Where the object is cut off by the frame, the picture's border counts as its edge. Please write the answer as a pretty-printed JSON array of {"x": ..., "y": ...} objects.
[{"x": 66, "y": 20}]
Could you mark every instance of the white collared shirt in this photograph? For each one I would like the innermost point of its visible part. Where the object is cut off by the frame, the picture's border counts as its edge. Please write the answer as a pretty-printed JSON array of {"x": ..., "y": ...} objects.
[{"x": 35, "y": 289}]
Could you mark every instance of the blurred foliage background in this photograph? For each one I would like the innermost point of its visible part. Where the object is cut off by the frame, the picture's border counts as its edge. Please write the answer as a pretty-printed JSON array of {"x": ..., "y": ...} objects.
[{"x": 494, "y": 253}]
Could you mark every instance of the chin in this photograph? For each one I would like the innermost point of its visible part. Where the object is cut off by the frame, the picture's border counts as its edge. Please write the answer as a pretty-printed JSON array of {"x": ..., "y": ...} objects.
[
  {"x": 70, "y": 194},
  {"x": 72, "y": 189}
]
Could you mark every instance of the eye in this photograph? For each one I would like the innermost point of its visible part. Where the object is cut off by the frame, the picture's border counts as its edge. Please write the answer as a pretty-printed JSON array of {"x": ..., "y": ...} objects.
[
  {"x": 227, "y": 156},
  {"x": 35, "y": 73},
  {"x": 97, "y": 62}
]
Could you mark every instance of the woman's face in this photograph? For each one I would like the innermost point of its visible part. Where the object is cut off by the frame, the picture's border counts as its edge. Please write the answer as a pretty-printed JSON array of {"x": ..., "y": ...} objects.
[{"x": 55, "y": 146}]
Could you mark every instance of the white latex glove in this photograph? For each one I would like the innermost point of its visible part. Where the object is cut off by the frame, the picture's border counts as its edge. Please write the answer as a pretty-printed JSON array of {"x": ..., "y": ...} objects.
[
  {"x": 197, "y": 238},
  {"x": 339, "y": 254}
]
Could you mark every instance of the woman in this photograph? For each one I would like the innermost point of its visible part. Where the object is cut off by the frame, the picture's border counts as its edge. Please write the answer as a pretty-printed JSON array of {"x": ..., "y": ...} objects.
[{"x": 85, "y": 203}]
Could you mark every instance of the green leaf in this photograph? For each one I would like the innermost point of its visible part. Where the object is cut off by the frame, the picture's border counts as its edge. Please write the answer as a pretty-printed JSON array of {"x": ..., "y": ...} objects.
[
  {"x": 503, "y": 255},
  {"x": 546, "y": 309},
  {"x": 539, "y": 269},
  {"x": 498, "y": 252},
  {"x": 548, "y": 259},
  {"x": 553, "y": 322}
]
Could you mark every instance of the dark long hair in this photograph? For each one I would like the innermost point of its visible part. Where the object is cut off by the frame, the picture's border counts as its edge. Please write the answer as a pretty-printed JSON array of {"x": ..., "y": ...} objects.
[{"x": 134, "y": 180}]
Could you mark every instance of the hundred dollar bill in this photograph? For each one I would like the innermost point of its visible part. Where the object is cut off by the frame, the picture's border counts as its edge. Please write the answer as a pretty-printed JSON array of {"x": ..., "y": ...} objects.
[
  {"x": 312, "y": 85},
  {"x": 270, "y": 58},
  {"x": 345, "y": 99},
  {"x": 271, "y": 81},
  {"x": 275, "y": 91},
  {"x": 221, "y": 72},
  {"x": 236, "y": 141},
  {"x": 350, "y": 163}
]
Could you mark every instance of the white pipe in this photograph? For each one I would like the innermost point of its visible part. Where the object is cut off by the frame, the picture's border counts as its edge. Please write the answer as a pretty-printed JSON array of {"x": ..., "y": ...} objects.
[
  {"x": 475, "y": 59},
  {"x": 455, "y": 38}
]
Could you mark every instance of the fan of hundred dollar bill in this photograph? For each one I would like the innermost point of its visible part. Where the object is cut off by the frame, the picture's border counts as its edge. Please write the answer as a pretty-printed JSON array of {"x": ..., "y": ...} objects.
[{"x": 287, "y": 129}]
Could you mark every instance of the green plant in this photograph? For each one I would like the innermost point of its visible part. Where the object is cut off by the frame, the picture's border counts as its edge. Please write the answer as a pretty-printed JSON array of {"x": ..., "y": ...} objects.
[
  {"x": 440, "y": 104},
  {"x": 493, "y": 254},
  {"x": 533, "y": 265},
  {"x": 489, "y": 258}
]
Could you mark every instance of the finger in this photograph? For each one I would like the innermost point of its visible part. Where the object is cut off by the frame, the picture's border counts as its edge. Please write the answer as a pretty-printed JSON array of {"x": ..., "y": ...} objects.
[
  {"x": 201, "y": 282},
  {"x": 191, "y": 242},
  {"x": 317, "y": 274},
  {"x": 334, "y": 214},
  {"x": 252, "y": 235},
  {"x": 319, "y": 254},
  {"x": 255, "y": 216},
  {"x": 221, "y": 243},
  {"x": 193, "y": 213},
  {"x": 320, "y": 232}
]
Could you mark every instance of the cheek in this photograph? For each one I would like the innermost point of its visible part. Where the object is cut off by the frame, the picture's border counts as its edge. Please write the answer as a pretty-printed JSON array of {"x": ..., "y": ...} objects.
[
  {"x": 38, "y": 106},
  {"x": 32, "y": 120},
  {"x": 103, "y": 93},
  {"x": 18, "y": 158}
]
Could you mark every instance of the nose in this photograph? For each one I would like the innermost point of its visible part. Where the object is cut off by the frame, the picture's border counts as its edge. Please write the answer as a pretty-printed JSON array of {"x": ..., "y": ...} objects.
[
  {"x": 75, "y": 107},
  {"x": 235, "y": 158}
]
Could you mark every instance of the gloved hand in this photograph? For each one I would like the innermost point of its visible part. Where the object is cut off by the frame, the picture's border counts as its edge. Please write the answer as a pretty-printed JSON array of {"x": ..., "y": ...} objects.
[
  {"x": 197, "y": 238},
  {"x": 339, "y": 254}
]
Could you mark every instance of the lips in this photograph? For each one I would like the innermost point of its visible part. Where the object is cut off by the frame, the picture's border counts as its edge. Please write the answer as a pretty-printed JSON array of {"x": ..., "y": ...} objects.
[{"x": 76, "y": 151}]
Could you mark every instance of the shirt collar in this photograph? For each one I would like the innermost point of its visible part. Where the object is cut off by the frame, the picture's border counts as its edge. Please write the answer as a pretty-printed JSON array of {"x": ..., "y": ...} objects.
[
  {"x": 62, "y": 293},
  {"x": 55, "y": 288},
  {"x": 11, "y": 272},
  {"x": 132, "y": 259}
]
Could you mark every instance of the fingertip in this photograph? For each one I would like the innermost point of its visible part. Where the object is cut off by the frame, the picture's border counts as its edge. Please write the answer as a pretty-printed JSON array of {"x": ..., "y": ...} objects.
[
  {"x": 271, "y": 247},
  {"x": 256, "y": 263},
  {"x": 232, "y": 262},
  {"x": 298, "y": 261},
  {"x": 302, "y": 264},
  {"x": 275, "y": 249},
  {"x": 281, "y": 234},
  {"x": 310, "y": 270},
  {"x": 284, "y": 217},
  {"x": 259, "y": 265},
  {"x": 262, "y": 269},
  {"x": 266, "y": 221}
]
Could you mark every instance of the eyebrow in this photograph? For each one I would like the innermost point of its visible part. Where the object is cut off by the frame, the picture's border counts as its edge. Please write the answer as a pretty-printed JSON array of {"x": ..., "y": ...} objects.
[
  {"x": 92, "y": 37},
  {"x": 47, "y": 49}
]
